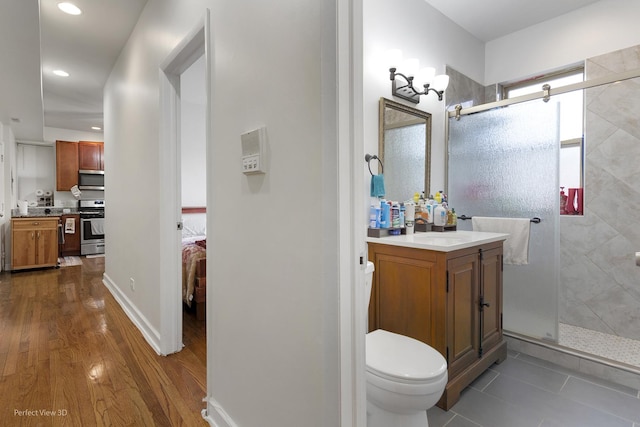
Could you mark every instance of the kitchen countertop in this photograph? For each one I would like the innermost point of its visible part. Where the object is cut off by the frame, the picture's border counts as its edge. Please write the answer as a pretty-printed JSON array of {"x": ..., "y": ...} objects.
[
  {"x": 38, "y": 212},
  {"x": 446, "y": 241}
]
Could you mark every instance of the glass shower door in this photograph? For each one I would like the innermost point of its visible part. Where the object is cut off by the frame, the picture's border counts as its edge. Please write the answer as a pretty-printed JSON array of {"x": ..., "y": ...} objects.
[{"x": 504, "y": 163}]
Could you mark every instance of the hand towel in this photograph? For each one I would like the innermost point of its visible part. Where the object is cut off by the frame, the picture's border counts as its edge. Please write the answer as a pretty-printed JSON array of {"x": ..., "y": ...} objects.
[
  {"x": 377, "y": 185},
  {"x": 516, "y": 246},
  {"x": 97, "y": 226},
  {"x": 70, "y": 226}
]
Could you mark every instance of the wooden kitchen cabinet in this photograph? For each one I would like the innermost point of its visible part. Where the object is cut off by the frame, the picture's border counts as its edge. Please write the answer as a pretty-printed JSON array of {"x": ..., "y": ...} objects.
[
  {"x": 34, "y": 242},
  {"x": 451, "y": 301},
  {"x": 91, "y": 155},
  {"x": 66, "y": 165},
  {"x": 71, "y": 244}
]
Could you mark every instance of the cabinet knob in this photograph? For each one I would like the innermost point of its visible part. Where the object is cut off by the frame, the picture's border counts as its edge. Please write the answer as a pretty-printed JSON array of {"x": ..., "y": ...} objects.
[{"x": 35, "y": 223}]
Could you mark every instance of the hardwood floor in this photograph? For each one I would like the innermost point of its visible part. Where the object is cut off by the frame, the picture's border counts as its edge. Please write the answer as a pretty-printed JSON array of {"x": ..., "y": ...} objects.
[{"x": 70, "y": 356}]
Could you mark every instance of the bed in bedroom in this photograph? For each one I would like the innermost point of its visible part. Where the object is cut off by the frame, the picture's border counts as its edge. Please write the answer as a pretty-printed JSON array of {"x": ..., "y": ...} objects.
[{"x": 194, "y": 261}]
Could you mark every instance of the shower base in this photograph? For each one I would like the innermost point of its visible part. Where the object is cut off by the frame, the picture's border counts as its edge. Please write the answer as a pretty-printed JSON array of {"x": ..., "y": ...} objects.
[
  {"x": 612, "y": 347},
  {"x": 598, "y": 366}
]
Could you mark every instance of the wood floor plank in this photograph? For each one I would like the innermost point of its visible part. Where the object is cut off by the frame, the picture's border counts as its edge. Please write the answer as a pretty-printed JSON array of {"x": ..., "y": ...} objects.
[{"x": 69, "y": 352}]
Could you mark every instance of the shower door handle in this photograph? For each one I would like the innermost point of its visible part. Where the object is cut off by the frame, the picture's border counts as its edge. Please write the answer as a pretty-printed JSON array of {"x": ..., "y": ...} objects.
[{"x": 638, "y": 259}]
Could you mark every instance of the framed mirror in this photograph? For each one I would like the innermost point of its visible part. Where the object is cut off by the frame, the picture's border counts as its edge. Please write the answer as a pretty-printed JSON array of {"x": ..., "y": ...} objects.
[{"x": 404, "y": 146}]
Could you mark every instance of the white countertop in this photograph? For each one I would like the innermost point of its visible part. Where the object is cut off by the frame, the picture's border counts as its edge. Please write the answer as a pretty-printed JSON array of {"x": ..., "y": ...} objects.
[{"x": 446, "y": 241}]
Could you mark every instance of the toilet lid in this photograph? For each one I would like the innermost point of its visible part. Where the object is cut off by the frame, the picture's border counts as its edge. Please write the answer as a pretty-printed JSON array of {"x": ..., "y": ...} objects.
[{"x": 399, "y": 356}]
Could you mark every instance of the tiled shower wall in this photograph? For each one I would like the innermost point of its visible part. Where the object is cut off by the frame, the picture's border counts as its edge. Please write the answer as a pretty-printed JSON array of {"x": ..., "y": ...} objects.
[{"x": 599, "y": 281}]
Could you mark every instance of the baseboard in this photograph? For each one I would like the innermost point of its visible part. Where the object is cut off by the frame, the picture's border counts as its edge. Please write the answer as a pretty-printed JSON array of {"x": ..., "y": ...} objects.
[
  {"x": 149, "y": 333},
  {"x": 215, "y": 415},
  {"x": 595, "y": 366}
]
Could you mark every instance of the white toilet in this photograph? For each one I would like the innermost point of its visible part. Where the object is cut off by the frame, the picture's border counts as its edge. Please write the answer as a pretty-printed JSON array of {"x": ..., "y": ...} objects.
[{"x": 405, "y": 377}]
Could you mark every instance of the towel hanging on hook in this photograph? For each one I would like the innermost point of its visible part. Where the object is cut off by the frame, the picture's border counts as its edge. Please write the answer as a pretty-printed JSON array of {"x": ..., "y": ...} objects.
[{"x": 377, "y": 181}]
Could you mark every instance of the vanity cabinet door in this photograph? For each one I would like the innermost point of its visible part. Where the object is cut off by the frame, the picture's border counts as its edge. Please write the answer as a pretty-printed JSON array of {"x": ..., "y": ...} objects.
[
  {"x": 404, "y": 295},
  {"x": 462, "y": 313},
  {"x": 491, "y": 293}
]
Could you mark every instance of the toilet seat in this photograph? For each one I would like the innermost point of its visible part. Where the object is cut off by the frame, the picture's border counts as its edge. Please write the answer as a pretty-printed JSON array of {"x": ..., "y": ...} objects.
[{"x": 404, "y": 360}]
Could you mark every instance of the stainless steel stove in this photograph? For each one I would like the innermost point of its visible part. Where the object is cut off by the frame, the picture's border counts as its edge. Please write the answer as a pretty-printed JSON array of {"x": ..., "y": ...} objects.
[{"x": 91, "y": 227}]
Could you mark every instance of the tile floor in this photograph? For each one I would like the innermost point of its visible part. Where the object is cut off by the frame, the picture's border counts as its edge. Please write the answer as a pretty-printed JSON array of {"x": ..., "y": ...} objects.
[
  {"x": 612, "y": 347},
  {"x": 525, "y": 391}
]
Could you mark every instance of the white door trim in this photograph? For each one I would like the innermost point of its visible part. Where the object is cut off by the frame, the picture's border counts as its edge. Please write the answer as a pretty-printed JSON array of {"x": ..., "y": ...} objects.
[
  {"x": 352, "y": 221},
  {"x": 192, "y": 47}
]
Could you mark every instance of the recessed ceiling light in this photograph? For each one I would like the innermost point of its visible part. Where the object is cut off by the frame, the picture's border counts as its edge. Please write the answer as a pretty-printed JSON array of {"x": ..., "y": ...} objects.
[
  {"x": 61, "y": 73},
  {"x": 96, "y": 128},
  {"x": 69, "y": 8}
]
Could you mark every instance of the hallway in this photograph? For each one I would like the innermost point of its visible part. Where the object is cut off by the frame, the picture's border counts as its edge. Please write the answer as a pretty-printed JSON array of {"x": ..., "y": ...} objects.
[{"x": 69, "y": 355}]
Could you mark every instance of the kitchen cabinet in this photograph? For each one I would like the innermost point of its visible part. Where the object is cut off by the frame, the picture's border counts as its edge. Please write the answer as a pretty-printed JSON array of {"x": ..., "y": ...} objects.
[
  {"x": 34, "y": 242},
  {"x": 90, "y": 155},
  {"x": 71, "y": 235},
  {"x": 66, "y": 165},
  {"x": 451, "y": 301}
]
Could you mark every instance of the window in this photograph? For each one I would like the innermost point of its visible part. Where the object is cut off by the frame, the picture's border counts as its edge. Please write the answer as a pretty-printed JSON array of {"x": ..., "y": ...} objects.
[{"x": 571, "y": 122}]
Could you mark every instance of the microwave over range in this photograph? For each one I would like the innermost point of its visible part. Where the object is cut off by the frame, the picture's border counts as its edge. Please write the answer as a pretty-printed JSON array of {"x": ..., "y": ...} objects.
[{"x": 91, "y": 180}]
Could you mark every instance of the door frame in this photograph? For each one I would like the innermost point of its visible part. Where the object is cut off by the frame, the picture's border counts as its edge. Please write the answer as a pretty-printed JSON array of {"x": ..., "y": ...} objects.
[{"x": 191, "y": 48}]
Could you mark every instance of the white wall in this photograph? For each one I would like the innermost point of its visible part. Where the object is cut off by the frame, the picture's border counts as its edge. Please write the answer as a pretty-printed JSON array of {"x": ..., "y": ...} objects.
[
  {"x": 272, "y": 358},
  {"x": 423, "y": 32},
  {"x": 193, "y": 109},
  {"x": 599, "y": 28}
]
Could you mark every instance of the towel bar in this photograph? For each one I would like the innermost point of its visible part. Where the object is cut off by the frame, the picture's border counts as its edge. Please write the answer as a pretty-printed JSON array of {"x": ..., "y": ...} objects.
[{"x": 535, "y": 219}]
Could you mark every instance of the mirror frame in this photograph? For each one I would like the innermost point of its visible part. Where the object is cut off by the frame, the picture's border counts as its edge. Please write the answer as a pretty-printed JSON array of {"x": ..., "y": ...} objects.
[{"x": 387, "y": 103}]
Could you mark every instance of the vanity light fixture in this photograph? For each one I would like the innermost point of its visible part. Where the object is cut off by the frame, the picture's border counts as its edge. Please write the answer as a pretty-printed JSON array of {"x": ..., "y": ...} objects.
[
  {"x": 60, "y": 73},
  {"x": 414, "y": 76},
  {"x": 96, "y": 128}
]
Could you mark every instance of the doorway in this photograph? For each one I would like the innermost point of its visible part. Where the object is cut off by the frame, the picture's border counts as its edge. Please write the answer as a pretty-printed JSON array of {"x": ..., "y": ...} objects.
[
  {"x": 193, "y": 195},
  {"x": 184, "y": 75}
]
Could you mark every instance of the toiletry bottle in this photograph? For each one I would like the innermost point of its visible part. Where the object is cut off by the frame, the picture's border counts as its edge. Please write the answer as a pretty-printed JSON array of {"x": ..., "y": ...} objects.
[
  {"x": 438, "y": 198},
  {"x": 440, "y": 215},
  {"x": 402, "y": 216},
  {"x": 454, "y": 217},
  {"x": 373, "y": 221},
  {"x": 395, "y": 215},
  {"x": 384, "y": 214},
  {"x": 416, "y": 197}
]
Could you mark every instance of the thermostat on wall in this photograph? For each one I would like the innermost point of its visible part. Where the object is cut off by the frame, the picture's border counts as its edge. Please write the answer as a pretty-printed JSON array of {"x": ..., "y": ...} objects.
[{"x": 253, "y": 151}]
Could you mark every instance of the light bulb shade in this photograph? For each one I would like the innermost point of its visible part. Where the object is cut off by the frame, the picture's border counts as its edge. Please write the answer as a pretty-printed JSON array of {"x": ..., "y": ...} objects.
[
  {"x": 424, "y": 77},
  {"x": 440, "y": 82},
  {"x": 394, "y": 58},
  {"x": 410, "y": 67}
]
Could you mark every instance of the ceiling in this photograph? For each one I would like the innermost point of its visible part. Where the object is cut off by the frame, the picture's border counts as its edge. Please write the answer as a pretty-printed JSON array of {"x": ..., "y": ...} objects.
[
  {"x": 36, "y": 40},
  {"x": 490, "y": 19}
]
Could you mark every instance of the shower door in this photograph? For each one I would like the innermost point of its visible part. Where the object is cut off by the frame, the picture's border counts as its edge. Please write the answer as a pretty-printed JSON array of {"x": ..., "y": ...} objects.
[{"x": 504, "y": 163}]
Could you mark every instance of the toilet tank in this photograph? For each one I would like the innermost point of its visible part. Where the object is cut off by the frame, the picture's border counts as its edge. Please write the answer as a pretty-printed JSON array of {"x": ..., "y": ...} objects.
[{"x": 368, "y": 280}]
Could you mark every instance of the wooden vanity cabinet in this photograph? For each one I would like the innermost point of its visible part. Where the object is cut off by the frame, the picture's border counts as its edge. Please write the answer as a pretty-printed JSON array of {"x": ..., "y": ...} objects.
[
  {"x": 451, "y": 301},
  {"x": 34, "y": 242}
]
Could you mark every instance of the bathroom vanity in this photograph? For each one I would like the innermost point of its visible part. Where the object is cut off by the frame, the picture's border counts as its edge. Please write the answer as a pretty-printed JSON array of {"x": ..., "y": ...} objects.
[{"x": 444, "y": 289}]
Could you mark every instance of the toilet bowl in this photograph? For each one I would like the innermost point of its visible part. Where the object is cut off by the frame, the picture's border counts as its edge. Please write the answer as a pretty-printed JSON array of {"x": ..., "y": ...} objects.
[{"x": 405, "y": 377}]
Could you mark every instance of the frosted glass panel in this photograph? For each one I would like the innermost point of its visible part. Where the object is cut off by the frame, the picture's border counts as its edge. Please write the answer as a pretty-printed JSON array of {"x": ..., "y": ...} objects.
[
  {"x": 399, "y": 157},
  {"x": 504, "y": 163}
]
